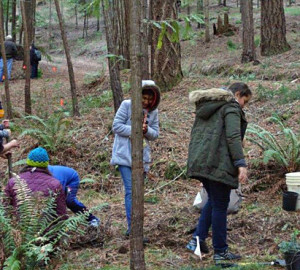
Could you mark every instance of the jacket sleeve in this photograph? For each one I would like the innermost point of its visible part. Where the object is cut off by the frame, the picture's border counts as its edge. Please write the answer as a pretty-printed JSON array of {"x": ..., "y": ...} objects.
[
  {"x": 14, "y": 51},
  {"x": 153, "y": 129},
  {"x": 4, "y": 133},
  {"x": 120, "y": 120},
  {"x": 61, "y": 208},
  {"x": 233, "y": 135}
]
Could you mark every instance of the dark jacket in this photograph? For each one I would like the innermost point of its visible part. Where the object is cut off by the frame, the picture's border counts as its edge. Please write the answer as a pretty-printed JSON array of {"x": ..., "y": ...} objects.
[
  {"x": 41, "y": 182},
  {"x": 10, "y": 49},
  {"x": 215, "y": 150}
]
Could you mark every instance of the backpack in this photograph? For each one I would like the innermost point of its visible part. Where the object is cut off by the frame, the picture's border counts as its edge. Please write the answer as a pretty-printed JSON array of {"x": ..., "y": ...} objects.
[{"x": 38, "y": 55}]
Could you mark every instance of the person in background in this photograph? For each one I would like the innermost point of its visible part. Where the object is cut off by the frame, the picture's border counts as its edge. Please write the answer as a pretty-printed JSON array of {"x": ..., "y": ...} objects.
[
  {"x": 34, "y": 62},
  {"x": 5, "y": 133},
  {"x": 70, "y": 180},
  {"x": 216, "y": 158},
  {"x": 39, "y": 180},
  {"x": 11, "y": 53},
  {"x": 121, "y": 152}
]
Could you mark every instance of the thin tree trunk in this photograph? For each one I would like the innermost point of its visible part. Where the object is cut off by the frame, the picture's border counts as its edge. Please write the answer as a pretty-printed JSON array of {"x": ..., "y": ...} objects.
[
  {"x": 69, "y": 61},
  {"x": 13, "y": 20},
  {"x": 206, "y": 20},
  {"x": 4, "y": 60},
  {"x": 33, "y": 12},
  {"x": 248, "y": 54},
  {"x": 137, "y": 260},
  {"x": 76, "y": 15},
  {"x": 50, "y": 25},
  {"x": 144, "y": 40},
  {"x": 113, "y": 64},
  {"x": 21, "y": 33},
  {"x": 273, "y": 39},
  {"x": 7, "y": 17},
  {"x": 258, "y": 3},
  {"x": 25, "y": 8},
  {"x": 199, "y": 10}
]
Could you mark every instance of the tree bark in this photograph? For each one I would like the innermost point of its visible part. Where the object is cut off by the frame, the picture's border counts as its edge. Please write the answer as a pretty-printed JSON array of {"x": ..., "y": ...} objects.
[
  {"x": 144, "y": 40},
  {"x": 273, "y": 28},
  {"x": 50, "y": 25},
  {"x": 248, "y": 54},
  {"x": 199, "y": 10},
  {"x": 206, "y": 20},
  {"x": 166, "y": 60},
  {"x": 137, "y": 260},
  {"x": 13, "y": 20},
  {"x": 69, "y": 61},
  {"x": 25, "y": 9},
  {"x": 111, "y": 31},
  {"x": 7, "y": 17},
  {"x": 4, "y": 60}
]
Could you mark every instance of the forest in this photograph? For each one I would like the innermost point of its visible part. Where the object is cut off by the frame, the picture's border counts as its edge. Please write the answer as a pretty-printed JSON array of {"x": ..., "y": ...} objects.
[{"x": 94, "y": 55}]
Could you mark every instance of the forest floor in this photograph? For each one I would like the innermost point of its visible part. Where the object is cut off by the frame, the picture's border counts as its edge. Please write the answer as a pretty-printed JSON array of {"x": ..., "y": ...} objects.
[{"x": 254, "y": 231}]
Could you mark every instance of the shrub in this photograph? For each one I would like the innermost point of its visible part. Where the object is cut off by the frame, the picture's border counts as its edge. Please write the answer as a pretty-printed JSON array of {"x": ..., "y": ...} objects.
[
  {"x": 282, "y": 147},
  {"x": 52, "y": 133}
]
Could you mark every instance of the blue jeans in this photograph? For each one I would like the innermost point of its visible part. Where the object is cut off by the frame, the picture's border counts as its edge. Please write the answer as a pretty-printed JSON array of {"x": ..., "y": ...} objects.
[
  {"x": 126, "y": 176},
  {"x": 214, "y": 214},
  {"x": 9, "y": 68}
]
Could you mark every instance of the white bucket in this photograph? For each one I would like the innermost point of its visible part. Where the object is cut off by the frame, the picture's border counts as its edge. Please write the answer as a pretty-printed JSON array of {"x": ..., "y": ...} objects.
[{"x": 293, "y": 184}]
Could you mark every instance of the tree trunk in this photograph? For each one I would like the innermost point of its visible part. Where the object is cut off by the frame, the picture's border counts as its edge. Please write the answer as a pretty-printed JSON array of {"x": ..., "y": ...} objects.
[
  {"x": 76, "y": 15},
  {"x": 50, "y": 25},
  {"x": 7, "y": 17},
  {"x": 166, "y": 60},
  {"x": 21, "y": 33},
  {"x": 224, "y": 3},
  {"x": 33, "y": 21},
  {"x": 248, "y": 54},
  {"x": 199, "y": 10},
  {"x": 137, "y": 260},
  {"x": 4, "y": 61},
  {"x": 25, "y": 9},
  {"x": 206, "y": 20},
  {"x": 13, "y": 19},
  {"x": 258, "y": 3},
  {"x": 69, "y": 61},
  {"x": 144, "y": 40},
  {"x": 273, "y": 28},
  {"x": 220, "y": 2},
  {"x": 111, "y": 31}
]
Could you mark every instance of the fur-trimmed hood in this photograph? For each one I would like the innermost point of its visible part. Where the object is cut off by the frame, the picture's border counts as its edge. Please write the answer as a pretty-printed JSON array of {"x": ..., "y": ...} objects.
[
  {"x": 199, "y": 96},
  {"x": 209, "y": 101}
]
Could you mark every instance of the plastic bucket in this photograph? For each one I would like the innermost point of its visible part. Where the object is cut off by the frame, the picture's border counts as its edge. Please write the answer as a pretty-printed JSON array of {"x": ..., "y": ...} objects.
[
  {"x": 292, "y": 260},
  {"x": 293, "y": 184},
  {"x": 289, "y": 200}
]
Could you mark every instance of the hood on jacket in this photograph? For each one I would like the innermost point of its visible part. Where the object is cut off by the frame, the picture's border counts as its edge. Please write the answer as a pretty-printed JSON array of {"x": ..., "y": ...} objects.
[
  {"x": 149, "y": 84},
  {"x": 209, "y": 101}
]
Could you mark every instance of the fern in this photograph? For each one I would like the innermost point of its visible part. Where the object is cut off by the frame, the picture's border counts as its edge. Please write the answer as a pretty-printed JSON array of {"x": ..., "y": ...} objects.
[
  {"x": 282, "y": 147},
  {"x": 34, "y": 237},
  {"x": 52, "y": 133}
]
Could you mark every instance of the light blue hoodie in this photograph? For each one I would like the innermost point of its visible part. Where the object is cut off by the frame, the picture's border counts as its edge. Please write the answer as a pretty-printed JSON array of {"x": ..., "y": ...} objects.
[{"x": 121, "y": 152}]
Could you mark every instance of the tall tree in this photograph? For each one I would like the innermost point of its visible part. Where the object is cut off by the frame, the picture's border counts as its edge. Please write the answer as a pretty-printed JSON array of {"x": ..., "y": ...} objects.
[
  {"x": 7, "y": 16},
  {"x": 69, "y": 61},
  {"x": 199, "y": 9},
  {"x": 273, "y": 28},
  {"x": 25, "y": 9},
  {"x": 137, "y": 260},
  {"x": 50, "y": 25},
  {"x": 13, "y": 19},
  {"x": 166, "y": 70},
  {"x": 144, "y": 40},
  {"x": 111, "y": 30},
  {"x": 248, "y": 53},
  {"x": 206, "y": 19},
  {"x": 4, "y": 62}
]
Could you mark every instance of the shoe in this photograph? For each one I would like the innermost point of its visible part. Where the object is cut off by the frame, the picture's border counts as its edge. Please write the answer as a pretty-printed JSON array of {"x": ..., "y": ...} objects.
[
  {"x": 193, "y": 244},
  {"x": 226, "y": 255},
  {"x": 95, "y": 222}
]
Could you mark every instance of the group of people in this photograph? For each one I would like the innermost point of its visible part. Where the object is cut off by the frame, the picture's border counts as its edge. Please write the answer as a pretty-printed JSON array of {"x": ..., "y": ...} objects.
[
  {"x": 215, "y": 157},
  {"x": 11, "y": 53}
]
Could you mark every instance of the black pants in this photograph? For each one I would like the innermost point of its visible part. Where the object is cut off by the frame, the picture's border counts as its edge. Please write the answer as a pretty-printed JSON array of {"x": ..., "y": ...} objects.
[{"x": 34, "y": 71}]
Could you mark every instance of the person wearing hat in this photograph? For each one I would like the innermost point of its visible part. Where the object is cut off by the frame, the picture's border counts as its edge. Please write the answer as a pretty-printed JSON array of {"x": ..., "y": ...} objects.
[
  {"x": 121, "y": 152},
  {"x": 70, "y": 181},
  {"x": 39, "y": 180},
  {"x": 11, "y": 53}
]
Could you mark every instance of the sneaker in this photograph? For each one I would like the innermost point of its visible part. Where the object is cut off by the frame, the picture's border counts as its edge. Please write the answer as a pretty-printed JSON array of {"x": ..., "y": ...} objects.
[
  {"x": 191, "y": 246},
  {"x": 226, "y": 255},
  {"x": 95, "y": 222}
]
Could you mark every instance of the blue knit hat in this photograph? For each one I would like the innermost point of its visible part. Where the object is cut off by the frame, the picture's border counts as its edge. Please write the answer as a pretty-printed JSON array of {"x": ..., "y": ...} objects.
[{"x": 38, "y": 157}]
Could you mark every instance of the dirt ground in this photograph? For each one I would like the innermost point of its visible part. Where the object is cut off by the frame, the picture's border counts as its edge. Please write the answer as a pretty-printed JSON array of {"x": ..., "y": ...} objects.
[{"x": 254, "y": 231}]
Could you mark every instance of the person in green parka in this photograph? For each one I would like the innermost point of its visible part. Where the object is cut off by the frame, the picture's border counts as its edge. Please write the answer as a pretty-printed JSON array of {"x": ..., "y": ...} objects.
[{"x": 216, "y": 158}]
